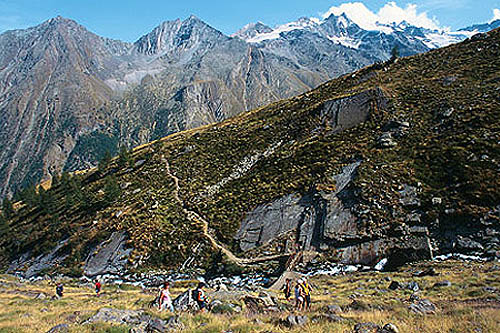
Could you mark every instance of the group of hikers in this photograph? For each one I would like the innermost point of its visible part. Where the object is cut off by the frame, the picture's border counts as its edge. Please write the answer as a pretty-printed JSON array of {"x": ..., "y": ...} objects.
[
  {"x": 60, "y": 289},
  {"x": 165, "y": 300},
  {"x": 302, "y": 292}
]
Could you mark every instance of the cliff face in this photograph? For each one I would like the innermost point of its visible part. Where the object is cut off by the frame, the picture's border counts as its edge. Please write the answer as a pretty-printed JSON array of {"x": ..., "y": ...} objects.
[
  {"x": 67, "y": 95},
  {"x": 398, "y": 160}
]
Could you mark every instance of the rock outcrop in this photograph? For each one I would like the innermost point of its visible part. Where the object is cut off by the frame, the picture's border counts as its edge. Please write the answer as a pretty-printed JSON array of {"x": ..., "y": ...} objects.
[{"x": 109, "y": 257}]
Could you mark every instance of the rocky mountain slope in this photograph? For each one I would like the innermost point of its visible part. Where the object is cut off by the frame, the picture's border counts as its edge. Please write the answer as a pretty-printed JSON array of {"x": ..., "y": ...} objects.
[
  {"x": 67, "y": 96},
  {"x": 399, "y": 160}
]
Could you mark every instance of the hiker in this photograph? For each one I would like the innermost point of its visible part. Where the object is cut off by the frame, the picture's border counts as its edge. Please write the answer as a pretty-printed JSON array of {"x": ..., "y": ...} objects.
[
  {"x": 59, "y": 290},
  {"x": 200, "y": 298},
  {"x": 165, "y": 300},
  {"x": 287, "y": 289},
  {"x": 299, "y": 299},
  {"x": 306, "y": 287},
  {"x": 98, "y": 287}
]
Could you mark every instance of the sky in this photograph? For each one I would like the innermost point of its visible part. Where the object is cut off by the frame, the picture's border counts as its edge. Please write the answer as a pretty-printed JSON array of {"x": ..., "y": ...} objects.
[{"x": 130, "y": 19}]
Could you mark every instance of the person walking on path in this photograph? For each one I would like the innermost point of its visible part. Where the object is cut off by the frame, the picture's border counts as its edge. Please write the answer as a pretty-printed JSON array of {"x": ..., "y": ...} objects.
[
  {"x": 287, "y": 289},
  {"x": 59, "y": 290},
  {"x": 306, "y": 287},
  {"x": 165, "y": 301},
  {"x": 98, "y": 287},
  {"x": 299, "y": 299},
  {"x": 200, "y": 298}
]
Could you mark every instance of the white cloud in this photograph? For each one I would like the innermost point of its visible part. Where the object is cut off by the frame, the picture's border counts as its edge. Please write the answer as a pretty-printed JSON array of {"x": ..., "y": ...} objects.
[
  {"x": 496, "y": 15},
  {"x": 389, "y": 13}
]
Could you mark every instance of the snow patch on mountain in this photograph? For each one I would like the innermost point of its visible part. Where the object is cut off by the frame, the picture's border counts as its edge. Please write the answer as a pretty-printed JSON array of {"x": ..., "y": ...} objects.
[
  {"x": 437, "y": 39},
  {"x": 389, "y": 14},
  {"x": 301, "y": 24},
  {"x": 346, "y": 41}
]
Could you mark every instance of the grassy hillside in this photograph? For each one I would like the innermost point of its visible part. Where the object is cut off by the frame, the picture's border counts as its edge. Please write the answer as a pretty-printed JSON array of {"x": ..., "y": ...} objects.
[{"x": 448, "y": 96}]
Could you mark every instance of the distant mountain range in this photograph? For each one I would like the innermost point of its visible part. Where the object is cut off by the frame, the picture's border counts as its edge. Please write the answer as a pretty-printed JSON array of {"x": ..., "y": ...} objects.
[{"x": 67, "y": 95}]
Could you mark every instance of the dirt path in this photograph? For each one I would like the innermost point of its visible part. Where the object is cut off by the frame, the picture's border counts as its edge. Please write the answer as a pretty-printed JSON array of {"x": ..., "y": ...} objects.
[{"x": 195, "y": 217}]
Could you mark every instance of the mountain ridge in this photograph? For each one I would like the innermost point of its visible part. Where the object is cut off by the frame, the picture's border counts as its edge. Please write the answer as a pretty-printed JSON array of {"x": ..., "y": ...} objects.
[{"x": 184, "y": 74}]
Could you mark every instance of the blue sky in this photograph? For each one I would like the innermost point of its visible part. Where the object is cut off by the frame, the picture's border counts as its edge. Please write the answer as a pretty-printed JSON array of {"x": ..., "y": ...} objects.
[{"x": 128, "y": 20}]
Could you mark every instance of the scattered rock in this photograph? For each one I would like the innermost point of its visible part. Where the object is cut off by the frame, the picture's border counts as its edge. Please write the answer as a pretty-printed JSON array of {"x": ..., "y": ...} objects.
[
  {"x": 293, "y": 320},
  {"x": 409, "y": 196},
  {"x": 389, "y": 328},
  {"x": 491, "y": 290},
  {"x": 139, "y": 163},
  {"x": 333, "y": 309},
  {"x": 366, "y": 328},
  {"x": 437, "y": 201},
  {"x": 467, "y": 244},
  {"x": 261, "y": 303},
  {"x": 358, "y": 305},
  {"x": 61, "y": 328},
  {"x": 41, "y": 296},
  {"x": 114, "y": 316},
  {"x": 395, "y": 285},
  {"x": 156, "y": 325},
  {"x": 126, "y": 185},
  {"x": 222, "y": 287},
  {"x": 413, "y": 286},
  {"x": 444, "y": 283},
  {"x": 386, "y": 141},
  {"x": 424, "y": 306},
  {"x": 185, "y": 302},
  {"x": 427, "y": 272},
  {"x": 415, "y": 297},
  {"x": 327, "y": 317}
]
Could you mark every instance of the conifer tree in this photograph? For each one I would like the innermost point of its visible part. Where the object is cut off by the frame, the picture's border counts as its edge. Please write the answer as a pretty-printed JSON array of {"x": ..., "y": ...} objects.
[
  {"x": 104, "y": 161},
  {"x": 7, "y": 208},
  {"x": 112, "y": 190},
  {"x": 124, "y": 157}
]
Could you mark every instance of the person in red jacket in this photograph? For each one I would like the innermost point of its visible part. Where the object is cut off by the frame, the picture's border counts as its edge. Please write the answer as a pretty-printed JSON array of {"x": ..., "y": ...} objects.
[{"x": 98, "y": 287}]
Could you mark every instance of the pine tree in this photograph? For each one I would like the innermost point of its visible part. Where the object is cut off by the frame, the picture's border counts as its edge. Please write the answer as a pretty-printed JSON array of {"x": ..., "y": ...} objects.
[
  {"x": 7, "y": 208},
  {"x": 56, "y": 180},
  {"x": 104, "y": 161},
  {"x": 3, "y": 224},
  {"x": 394, "y": 53},
  {"x": 112, "y": 190},
  {"x": 124, "y": 157},
  {"x": 29, "y": 196},
  {"x": 47, "y": 201}
]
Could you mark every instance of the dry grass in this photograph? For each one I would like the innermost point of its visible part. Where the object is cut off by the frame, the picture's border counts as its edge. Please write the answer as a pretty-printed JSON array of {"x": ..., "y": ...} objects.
[{"x": 463, "y": 307}]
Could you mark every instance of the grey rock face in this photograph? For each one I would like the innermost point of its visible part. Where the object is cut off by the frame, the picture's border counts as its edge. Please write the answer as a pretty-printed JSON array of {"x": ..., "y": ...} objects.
[
  {"x": 109, "y": 257},
  {"x": 38, "y": 264}
]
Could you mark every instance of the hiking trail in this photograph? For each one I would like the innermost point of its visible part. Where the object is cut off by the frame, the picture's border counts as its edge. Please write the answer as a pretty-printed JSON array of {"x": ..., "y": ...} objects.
[{"x": 195, "y": 217}]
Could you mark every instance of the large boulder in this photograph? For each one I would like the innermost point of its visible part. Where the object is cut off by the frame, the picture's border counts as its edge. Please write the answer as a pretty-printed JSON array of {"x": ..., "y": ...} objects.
[
  {"x": 108, "y": 257},
  {"x": 185, "y": 302}
]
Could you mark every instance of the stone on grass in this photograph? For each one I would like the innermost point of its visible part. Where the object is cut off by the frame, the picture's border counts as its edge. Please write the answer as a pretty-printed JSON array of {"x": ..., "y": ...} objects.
[
  {"x": 413, "y": 286},
  {"x": 61, "y": 328},
  {"x": 293, "y": 320},
  {"x": 444, "y": 283},
  {"x": 389, "y": 328},
  {"x": 394, "y": 285},
  {"x": 334, "y": 308},
  {"x": 424, "y": 306},
  {"x": 366, "y": 328}
]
